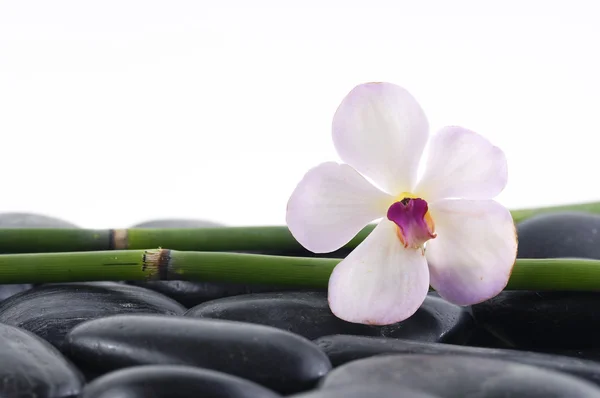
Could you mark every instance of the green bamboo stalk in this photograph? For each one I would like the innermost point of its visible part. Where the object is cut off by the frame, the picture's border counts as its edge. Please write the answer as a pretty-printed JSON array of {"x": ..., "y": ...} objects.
[
  {"x": 266, "y": 240},
  {"x": 299, "y": 272}
]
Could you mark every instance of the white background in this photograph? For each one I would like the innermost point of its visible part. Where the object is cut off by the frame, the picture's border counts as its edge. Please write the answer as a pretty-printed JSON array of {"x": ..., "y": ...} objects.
[{"x": 115, "y": 112}]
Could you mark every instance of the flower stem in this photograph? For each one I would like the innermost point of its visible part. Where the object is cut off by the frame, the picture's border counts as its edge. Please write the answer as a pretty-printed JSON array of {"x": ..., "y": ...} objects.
[
  {"x": 299, "y": 272},
  {"x": 267, "y": 240}
]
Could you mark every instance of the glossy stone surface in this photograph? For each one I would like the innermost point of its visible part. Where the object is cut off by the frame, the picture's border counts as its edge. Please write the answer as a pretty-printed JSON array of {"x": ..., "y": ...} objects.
[
  {"x": 560, "y": 235},
  {"x": 454, "y": 376},
  {"x": 308, "y": 314},
  {"x": 379, "y": 390},
  {"x": 191, "y": 294},
  {"x": 7, "y": 291},
  {"x": 50, "y": 311},
  {"x": 271, "y": 357},
  {"x": 543, "y": 320},
  {"x": 30, "y": 367},
  {"x": 172, "y": 381},
  {"x": 342, "y": 349}
]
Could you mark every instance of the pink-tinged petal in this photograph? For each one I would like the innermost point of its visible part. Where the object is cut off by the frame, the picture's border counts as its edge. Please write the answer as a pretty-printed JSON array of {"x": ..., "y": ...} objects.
[
  {"x": 381, "y": 131},
  {"x": 473, "y": 255},
  {"x": 462, "y": 164},
  {"x": 380, "y": 282},
  {"x": 330, "y": 205}
]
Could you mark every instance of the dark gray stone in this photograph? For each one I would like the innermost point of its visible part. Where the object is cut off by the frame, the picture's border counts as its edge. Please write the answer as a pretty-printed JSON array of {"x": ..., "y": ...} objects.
[
  {"x": 191, "y": 294},
  {"x": 10, "y": 290},
  {"x": 30, "y": 367},
  {"x": 454, "y": 376},
  {"x": 50, "y": 311},
  {"x": 342, "y": 349},
  {"x": 365, "y": 391},
  {"x": 549, "y": 321},
  {"x": 29, "y": 220},
  {"x": 171, "y": 381},
  {"x": 308, "y": 314},
  {"x": 271, "y": 357},
  {"x": 543, "y": 320},
  {"x": 559, "y": 235}
]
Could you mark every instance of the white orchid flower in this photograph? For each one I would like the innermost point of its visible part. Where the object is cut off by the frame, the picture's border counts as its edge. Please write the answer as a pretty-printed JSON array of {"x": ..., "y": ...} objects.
[{"x": 444, "y": 230}]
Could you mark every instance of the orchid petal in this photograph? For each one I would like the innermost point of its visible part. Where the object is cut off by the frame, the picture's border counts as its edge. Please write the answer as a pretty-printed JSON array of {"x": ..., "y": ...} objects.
[
  {"x": 462, "y": 164},
  {"x": 330, "y": 205},
  {"x": 472, "y": 257},
  {"x": 381, "y": 131},
  {"x": 380, "y": 282}
]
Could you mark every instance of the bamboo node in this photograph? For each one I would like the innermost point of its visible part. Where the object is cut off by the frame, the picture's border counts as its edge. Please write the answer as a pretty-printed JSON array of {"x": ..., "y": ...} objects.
[
  {"x": 119, "y": 239},
  {"x": 156, "y": 263}
]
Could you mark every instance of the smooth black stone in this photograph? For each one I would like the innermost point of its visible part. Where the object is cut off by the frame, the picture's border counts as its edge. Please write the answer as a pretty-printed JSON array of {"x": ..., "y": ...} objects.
[
  {"x": 308, "y": 314},
  {"x": 303, "y": 313},
  {"x": 436, "y": 321},
  {"x": 177, "y": 223},
  {"x": 30, "y": 367},
  {"x": 29, "y": 220},
  {"x": 10, "y": 290},
  {"x": 271, "y": 357},
  {"x": 365, "y": 391},
  {"x": 342, "y": 349},
  {"x": 50, "y": 311},
  {"x": 559, "y": 235},
  {"x": 455, "y": 376},
  {"x": 543, "y": 320},
  {"x": 172, "y": 381},
  {"x": 191, "y": 294}
]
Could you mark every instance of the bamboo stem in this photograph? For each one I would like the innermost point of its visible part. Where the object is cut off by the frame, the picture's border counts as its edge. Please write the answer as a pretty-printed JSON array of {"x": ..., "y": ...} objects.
[
  {"x": 299, "y": 272},
  {"x": 266, "y": 240}
]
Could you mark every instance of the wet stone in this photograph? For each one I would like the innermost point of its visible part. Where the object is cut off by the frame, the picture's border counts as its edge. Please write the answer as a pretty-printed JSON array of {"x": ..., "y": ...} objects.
[
  {"x": 543, "y": 320},
  {"x": 560, "y": 322},
  {"x": 276, "y": 359},
  {"x": 172, "y": 381},
  {"x": 50, "y": 311},
  {"x": 342, "y": 349},
  {"x": 10, "y": 290},
  {"x": 455, "y": 376},
  {"x": 30, "y": 220},
  {"x": 191, "y": 294},
  {"x": 30, "y": 367},
  {"x": 378, "y": 390},
  {"x": 559, "y": 235},
  {"x": 308, "y": 314}
]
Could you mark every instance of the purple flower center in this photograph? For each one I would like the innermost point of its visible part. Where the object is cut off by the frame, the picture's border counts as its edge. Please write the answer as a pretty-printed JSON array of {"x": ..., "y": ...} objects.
[{"x": 415, "y": 226}]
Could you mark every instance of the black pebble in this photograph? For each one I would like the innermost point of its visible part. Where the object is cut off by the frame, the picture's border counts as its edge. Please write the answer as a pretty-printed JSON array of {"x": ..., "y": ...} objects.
[
  {"x": 173, "y": 381},
  {"x": 560, "y": 235},
  {"x": 342, "y": 349},
  {"x": 455, "y": 376},
  {"x": 271, "y": 357},
  {"x": 30, "y": 367},
  {"x": 50, "y": 311},
  {"x": 543, "y": 320},
  {"x": 308, "y": 314},
  {"x": 10, "y": 290},
  {"x": 379, "y": 390}
]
